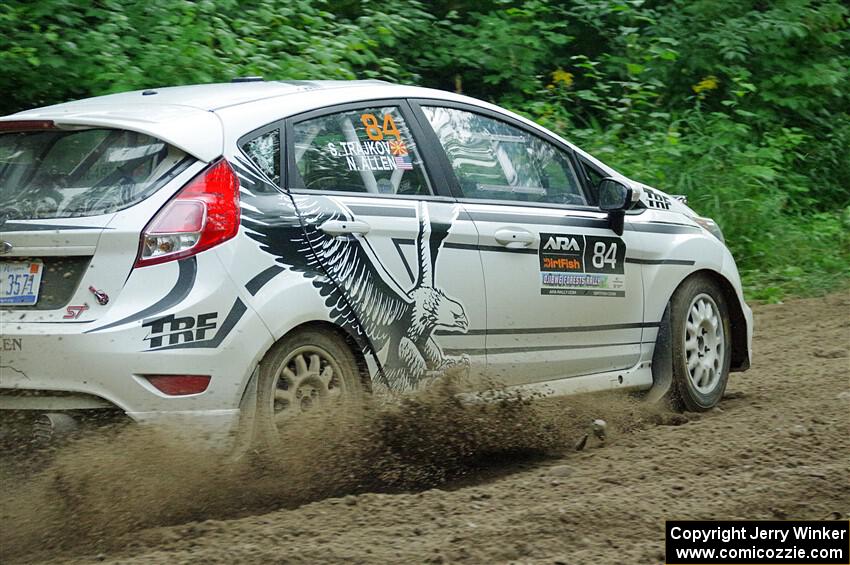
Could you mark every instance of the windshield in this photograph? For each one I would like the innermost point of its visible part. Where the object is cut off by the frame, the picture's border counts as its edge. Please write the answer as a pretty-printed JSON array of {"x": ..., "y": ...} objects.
[{"x": 66, "y": 174}]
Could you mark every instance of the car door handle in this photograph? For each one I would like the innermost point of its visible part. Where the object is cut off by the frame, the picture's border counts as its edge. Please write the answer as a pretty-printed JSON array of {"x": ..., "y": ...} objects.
[
  {"x": 514, "y": 238},
  {"x": 344, "y": 227}
]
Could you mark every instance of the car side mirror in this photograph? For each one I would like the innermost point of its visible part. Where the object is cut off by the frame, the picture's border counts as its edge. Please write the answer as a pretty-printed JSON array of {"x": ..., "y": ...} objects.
[{"x": 615, "y": 197}]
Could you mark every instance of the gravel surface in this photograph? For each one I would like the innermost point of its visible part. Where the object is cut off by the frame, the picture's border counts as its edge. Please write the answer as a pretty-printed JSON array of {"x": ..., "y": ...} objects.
[{"x": 778, "y": 447}]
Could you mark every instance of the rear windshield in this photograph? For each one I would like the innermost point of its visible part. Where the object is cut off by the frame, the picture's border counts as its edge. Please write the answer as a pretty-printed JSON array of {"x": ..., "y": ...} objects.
[{"x": 68, "y": 174}]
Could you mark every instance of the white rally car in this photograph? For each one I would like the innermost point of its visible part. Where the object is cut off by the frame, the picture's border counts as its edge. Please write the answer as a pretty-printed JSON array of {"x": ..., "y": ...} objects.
[{"x": 207, "y": 252}]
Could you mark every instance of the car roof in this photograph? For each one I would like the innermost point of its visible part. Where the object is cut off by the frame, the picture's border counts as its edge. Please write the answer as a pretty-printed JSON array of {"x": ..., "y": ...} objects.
[
  {"x": 186, "y": 116},
  {"x": 211, "y": 97}
]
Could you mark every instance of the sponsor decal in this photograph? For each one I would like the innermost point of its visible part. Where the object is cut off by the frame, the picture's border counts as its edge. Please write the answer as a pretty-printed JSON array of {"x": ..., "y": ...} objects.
[
  {"x": 376, "y": 132},
  {"x": 655, "y": 199},
  {"x": 11, "y": 344},
  {"x": 372, "y": 155},
  {"x": 561, "y": 243},
  {"x": 74, "y": 312},
  {"x": 398, "y": 148},
  {"x": 403, "y": 163},
  {"x": 171, "y": 330},
  {"x": 384, "y": 150},
  {"x": 579, "y": 265}
]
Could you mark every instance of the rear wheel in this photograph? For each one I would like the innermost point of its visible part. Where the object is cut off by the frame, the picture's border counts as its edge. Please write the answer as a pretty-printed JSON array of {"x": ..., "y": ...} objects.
[
  {"x": 700, "y": 344},
  {"x": 303, "y": 371}
]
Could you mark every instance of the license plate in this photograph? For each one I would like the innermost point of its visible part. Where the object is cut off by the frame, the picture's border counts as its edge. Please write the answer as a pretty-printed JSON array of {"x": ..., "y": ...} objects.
[{"x": 19, "y": 282}]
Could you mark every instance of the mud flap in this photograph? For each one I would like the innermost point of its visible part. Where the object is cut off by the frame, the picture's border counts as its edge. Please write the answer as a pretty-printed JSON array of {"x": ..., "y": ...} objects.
[
  {"x": 662, "y": 360},
  {"x": 247, "y": 417}
]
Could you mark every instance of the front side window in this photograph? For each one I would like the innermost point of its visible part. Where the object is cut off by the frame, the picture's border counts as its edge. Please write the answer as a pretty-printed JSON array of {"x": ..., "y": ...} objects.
[
  {"x": 367, "y": 150},
  {"x": 496, "y": 161},
  {"x": 56, "y": 173}
]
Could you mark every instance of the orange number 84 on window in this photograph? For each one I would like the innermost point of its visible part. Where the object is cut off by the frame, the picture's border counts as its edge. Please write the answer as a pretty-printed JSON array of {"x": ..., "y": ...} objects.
[{"x": 375, "y": 131}]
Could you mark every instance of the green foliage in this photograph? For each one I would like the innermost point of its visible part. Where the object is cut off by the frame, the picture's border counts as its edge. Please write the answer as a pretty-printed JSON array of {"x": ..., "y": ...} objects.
[
  {"x": 63, "y": 49},
  {"x": 743, "y": 105}
]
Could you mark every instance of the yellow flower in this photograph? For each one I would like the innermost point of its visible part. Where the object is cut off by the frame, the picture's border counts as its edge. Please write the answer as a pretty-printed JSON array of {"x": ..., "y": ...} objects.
[
  {"x": 562, "y": 77},
  {"x": 708, "y": 83}
]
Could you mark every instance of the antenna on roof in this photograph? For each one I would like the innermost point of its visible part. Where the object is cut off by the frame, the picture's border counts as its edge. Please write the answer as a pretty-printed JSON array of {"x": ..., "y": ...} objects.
[{"x": 247, "y": 79}]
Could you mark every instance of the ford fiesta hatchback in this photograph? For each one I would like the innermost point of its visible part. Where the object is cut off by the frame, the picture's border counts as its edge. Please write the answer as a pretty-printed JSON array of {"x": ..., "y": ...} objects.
[{"x": 205, "y": 253}]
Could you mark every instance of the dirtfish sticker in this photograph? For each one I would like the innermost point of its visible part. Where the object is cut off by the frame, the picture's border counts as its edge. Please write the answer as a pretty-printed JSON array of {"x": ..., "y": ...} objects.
[{"x": 579, "y": 265}]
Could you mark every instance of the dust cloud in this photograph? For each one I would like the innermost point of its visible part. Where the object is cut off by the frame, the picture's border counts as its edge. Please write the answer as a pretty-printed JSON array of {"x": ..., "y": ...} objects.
[{"x": 94, "y": 490}]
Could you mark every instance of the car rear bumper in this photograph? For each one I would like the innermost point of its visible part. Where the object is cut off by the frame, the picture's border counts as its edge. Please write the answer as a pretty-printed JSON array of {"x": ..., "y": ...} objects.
[{"x": 102, "y": 364}]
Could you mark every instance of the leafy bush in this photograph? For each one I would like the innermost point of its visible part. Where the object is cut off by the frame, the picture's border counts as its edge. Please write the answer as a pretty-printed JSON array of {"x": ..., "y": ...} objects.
[{"x": 743, "y": 105}]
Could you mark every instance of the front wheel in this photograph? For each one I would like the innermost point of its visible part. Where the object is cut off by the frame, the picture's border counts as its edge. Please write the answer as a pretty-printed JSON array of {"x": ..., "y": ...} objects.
[
  {"x": 304, "y": 370},
  {"x": 700, "y": 344}
]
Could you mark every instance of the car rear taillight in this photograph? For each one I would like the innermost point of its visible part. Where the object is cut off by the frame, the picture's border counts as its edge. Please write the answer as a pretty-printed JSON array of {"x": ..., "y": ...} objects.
[
  {"x": 202, "y": 215},
  {"x": 179, "y": 385}
]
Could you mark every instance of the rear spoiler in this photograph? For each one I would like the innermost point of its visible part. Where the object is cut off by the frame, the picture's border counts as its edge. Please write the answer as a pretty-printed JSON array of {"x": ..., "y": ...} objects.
[{"x": 197, "y": 132}]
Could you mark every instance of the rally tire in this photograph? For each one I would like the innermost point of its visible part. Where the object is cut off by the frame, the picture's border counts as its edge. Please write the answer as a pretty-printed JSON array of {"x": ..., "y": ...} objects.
[
  {"x": 304, "y": 369},
  {"x": 700, "y": 343}
]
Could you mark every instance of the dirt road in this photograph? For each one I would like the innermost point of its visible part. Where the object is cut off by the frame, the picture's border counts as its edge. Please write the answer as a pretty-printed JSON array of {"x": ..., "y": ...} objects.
[{"x": 778, "y": 447}]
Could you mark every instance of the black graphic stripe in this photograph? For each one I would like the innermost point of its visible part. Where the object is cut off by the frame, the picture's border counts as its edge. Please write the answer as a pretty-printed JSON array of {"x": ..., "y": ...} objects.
[
  {"x": 659, "y": 261},
  {"x": 260, "y": 279},
  {"x": 497, "y": 350},
  {"x": 398, "y": 243},
  {"x": 496, "y": 217},
  {"x": 384, "y": 211},
  {"x": 468, "y": 351},
  {"x": 514, "y": 218},
  {"x": 236, "y": 312},
  {"x": 566, "y": 329},
  {"x": 658, "y": 227},
  {"x": 533, "y": 251},
  {"x": 493, "y": 248},
  {"x": 580, "y": 222},
  {"x": 23, "y": 226},
  {"x": 533, "y": 348},
  {"x": 185, "y": 282}
]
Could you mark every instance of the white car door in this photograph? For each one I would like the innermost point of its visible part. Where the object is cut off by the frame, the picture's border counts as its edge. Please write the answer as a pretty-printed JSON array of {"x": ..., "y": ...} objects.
[
  {"x": 390, "y": 238},
  {"x": 562, "y": 300}
]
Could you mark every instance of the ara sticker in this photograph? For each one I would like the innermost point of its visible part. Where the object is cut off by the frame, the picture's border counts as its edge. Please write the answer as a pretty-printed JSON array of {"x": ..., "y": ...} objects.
[{"x": 579, "y": 265}]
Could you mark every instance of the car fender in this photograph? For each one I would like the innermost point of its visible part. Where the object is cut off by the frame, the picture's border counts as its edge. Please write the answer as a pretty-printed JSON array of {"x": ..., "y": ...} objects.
[{"x": 711, "y": 257}]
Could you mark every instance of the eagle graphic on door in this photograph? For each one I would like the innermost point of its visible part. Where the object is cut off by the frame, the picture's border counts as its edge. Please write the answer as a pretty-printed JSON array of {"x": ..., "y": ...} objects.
[{"x": 363, "y": 296}]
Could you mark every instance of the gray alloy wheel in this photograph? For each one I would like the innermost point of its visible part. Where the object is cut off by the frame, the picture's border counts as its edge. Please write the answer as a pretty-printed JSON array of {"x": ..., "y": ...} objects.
[
  {"x": 704, "y": 343},
  {"x": 700, "y": 344},
  {"x": 304, "y": 370}
]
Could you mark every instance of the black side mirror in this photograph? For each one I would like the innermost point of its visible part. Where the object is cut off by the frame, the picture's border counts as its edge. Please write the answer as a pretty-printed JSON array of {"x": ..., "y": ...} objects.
[{"x": 615, "y": 198}]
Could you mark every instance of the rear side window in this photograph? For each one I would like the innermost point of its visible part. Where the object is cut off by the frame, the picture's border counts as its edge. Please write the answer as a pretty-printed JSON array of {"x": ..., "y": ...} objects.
[
  {"x": 368, "y": 150},
  {"x": 264, "y": 151},
  {"x": 494, "y": 160},
  {"x": 67, "y": 174}
]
